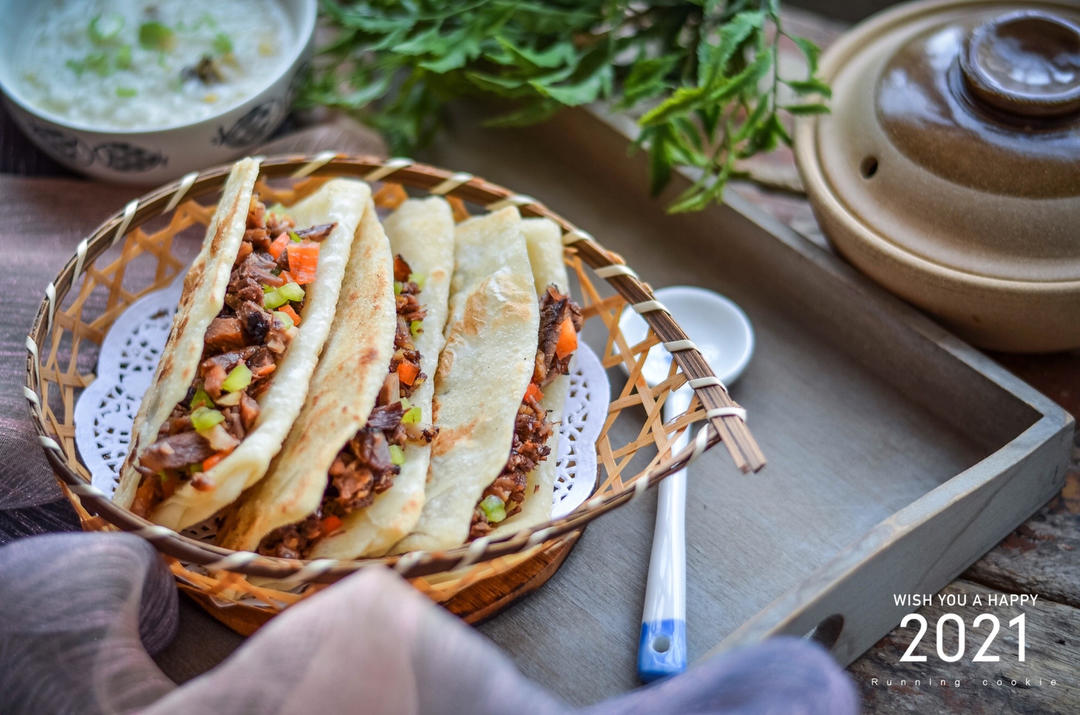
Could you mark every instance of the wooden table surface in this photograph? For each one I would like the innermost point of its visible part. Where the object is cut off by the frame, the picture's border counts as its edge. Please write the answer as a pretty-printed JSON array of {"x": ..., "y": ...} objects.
[{"x": 1040, "y": 557}]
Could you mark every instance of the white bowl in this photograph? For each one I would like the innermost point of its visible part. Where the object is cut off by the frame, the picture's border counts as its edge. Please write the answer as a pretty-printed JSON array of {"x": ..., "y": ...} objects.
[{"x": 155, "y": 156}]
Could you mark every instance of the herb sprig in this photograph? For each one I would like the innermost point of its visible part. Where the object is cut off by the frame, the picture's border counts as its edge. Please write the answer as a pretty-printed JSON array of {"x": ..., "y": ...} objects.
[{"x": 702, "y": 76}]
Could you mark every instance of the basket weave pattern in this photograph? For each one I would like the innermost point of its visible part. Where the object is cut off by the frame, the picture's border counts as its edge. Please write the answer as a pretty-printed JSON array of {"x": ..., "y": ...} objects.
[{"x": 97, "y": 285}]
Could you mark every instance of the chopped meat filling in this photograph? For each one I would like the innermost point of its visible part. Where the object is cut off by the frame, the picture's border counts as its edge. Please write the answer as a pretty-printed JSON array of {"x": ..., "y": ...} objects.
[
  {"x": 241, "y": 350},
  {"x": 368, "y": 463},
  {"x": 504, "y": 496},
  {"x": 555, "y": 309}
]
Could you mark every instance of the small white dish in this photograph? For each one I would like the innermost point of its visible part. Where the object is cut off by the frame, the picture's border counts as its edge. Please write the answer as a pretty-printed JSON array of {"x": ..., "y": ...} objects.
[{"x": 154, "y": 156}]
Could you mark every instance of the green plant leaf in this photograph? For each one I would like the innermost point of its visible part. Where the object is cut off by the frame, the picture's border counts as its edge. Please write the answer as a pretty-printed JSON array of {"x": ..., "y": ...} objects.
[
  {"x": 800, "y": 109},
  {"x": 703, "y": 73}
]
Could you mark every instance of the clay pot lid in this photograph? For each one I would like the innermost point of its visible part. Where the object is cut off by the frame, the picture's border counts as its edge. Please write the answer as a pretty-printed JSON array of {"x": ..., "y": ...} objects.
[{"x": 955, "y": 136}]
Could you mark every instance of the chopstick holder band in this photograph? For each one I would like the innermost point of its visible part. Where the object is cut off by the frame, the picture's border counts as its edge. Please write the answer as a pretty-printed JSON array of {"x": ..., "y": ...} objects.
[
  {"x": 406, "y": 561},
  {"x": 697, "y": 383},
  {"x": 727, "y": 412},
  {"x": 674, "y": 346},
  {"x": 572, "y": 237},
  {"x": 181, "y": 190},
  {"x": 234, "y": 560},
  {"x": 125, "y": 221},
  {"x": 615, "y": 269},
  {"x": 701, "y": 439},
  {"x": 455, "y": 180},
  {"x": 321, "y": 159},
  {"x": 50, "y": 295},
  {"x": 649, "y": 306},
  {"x": 154, "y": 531},
  {"x": 80, "y": 258},
  {"x": 388, "y": 168},
  {"x": 518, "y": 200},
  {"x": 310, "y": 571}
]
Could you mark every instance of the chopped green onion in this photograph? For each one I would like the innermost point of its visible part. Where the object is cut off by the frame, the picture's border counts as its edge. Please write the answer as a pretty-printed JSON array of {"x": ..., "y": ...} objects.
[
  {"x": 105, "y": 28},
  {"x": 204, "y": 418},
  {"x": 405, "y": 404},
  {"x": 95, "y": 61},
  {"x": 397, "y": 455},
  {"x": 494, "y": 508},
  {"x": 99, "y": 62},
  {"x": 125, "y": 92},
  {"x": 201, "y": 399},
  {"x": 295, "y": 237},
  {"x": 273, "y": 299},
  {"x": 291, "y": 291},
  {"x": 155, "y": 36},
  {"x": 276, "y": 209},
  {"x": 416, "y": 327},
  {"x": 285, "y": 318},
  {"x": 411, "y": 416},
  {"x": 397, "y": 287},
  {"x": 418, "y": 279},
  {"x": 122, "y": 58},
  {"x": 239, "y": 378},
  {"x": 163, "y": 476},
  {"x": 222, "y": 44},
  {"x": 268, "y": 289}
]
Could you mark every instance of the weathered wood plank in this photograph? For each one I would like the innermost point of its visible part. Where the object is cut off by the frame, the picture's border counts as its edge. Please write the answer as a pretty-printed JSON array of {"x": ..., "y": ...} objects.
[
  {"x": 1052, "y": 652},
  {"x": 1043, "y": 555}
]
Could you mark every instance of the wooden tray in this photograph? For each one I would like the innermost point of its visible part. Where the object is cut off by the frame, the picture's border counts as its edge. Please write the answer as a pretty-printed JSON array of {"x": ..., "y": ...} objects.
[{"x": 897, "y": 453}]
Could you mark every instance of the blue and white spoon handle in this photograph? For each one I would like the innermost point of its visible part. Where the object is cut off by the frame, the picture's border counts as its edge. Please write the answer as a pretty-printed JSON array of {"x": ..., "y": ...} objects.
[{"x": 662, "y": 649}]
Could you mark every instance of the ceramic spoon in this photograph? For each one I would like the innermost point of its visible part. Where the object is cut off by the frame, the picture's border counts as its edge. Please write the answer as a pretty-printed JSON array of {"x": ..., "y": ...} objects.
[{"x": 723, "y": 334}]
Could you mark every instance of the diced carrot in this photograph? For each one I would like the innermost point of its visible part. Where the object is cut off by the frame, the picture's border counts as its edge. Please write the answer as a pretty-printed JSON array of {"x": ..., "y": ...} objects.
[
  {"x": 285, "y": 278},
  {"x": 330, "y": 524},
  {"x": 533, "y": 391},
  {"x": 264, "y": 370},
  {"x": 407, "y": 372},
  {"x": 567, "y": 339},
  {"x": 303, "y": 261},
  {"x": 288, "y": 310},
  {"x": 279, "y": 245},
  {"x": 212, "y": 461}
]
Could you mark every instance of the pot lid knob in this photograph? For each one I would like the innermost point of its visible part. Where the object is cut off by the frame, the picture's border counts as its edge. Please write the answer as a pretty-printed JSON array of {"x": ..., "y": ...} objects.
[{"x": 1024, "y": 63}]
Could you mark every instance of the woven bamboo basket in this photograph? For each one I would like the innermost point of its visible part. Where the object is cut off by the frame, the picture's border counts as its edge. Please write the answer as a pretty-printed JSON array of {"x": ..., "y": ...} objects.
[{"x": 134, "y": 252}]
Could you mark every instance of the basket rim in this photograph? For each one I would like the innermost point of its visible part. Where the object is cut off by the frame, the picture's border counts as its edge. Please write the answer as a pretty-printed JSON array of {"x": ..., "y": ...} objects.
[{"x": 724, "y": 418}]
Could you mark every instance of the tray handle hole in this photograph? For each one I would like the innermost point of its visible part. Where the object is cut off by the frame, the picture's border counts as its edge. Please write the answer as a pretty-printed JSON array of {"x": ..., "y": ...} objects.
[
  {"x": 828, "y": 631},
  {"x": 868, "y": 167},
  {"x": 661, "y": 644}
]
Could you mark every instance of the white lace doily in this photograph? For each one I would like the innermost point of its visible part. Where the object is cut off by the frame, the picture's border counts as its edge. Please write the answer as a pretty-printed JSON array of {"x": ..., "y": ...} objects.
[{"x": 129, "y": 355}]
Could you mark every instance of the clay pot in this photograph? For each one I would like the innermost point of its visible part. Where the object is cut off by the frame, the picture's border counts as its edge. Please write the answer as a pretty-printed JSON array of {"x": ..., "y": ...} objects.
[{"x": 949, "y": 168}]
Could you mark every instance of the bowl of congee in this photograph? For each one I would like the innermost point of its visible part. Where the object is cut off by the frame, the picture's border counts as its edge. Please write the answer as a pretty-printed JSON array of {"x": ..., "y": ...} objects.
[{"x": 142, "y": 91}]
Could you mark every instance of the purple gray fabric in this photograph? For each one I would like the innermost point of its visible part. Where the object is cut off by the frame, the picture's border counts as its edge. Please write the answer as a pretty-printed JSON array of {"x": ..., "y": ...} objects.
[{"x": 79, "y": 613}]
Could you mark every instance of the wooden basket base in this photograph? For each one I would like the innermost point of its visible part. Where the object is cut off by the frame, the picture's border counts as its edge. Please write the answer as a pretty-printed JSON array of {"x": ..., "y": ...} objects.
[{"x": 474, "y": 603}]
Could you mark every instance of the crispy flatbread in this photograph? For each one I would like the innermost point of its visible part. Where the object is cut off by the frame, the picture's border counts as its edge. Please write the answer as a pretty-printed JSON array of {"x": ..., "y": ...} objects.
[
  {"x": 422, "y": 232},
  {"x": 340, "y": 398},
  {"x": 338, "y": 201},
  {"x": 544, "y": 242},
  {"x": 484, "y": 369},
  {"x": 202, "y": 298},
  {"x": 343, "y": 390}
]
